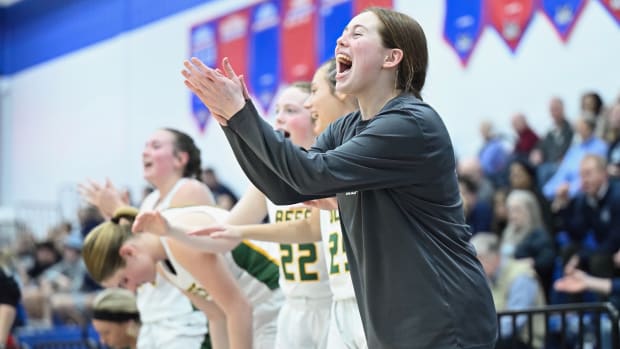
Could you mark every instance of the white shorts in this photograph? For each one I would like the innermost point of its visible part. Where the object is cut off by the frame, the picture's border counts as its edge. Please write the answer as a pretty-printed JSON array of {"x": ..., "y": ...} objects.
[
  {"x": 265, "y": 320},
  {"x": 303, "y": 323},
  {"x": 345, "y": 328}
]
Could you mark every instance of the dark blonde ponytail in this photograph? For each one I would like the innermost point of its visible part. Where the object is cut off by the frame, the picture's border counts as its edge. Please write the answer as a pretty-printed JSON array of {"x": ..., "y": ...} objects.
[{"x": 102, "y": 244}]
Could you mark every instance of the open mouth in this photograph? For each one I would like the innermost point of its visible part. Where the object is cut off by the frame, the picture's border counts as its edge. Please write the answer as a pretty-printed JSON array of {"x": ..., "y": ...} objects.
[
  {"x": 147, "y": 164},
  {"x": 344, "y": 63},
  {"x": 285, "y": 133}
]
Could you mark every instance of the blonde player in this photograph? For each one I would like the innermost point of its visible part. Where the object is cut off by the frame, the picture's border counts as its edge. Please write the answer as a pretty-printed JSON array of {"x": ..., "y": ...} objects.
[{"x": 240, "y": 295}]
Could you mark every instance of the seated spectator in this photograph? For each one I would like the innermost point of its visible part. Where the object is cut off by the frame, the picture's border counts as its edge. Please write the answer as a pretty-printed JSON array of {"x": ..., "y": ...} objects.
[
  {"x": 45, "y": 256},
  {"x": 525, "y": 237},
  {"x": 526, "y": 137},
  {"x": 493, "y": 155},
  {"x": 224, "y": 197},
  {"x": 470, "y": 168},
  {"x": 514, "y": 286},
  {"x": 596, "y": 210},
  {"x": 592, "y": 105},
  {"x": 568, "y": 171},
  {"x": 63, "y": 283},
  {"x": 116, "y": 318},
  {"x": 478, "y": 214},
  {"x": 35, "y": 301},
  {"x": 549, "y": 151},
  {"x": 88, "y": 217},
  {"x": 500, "y": 212},
  {"x": 58, "y": 233},
  {"x": 522, "y": 175},
  {"x": 613, "y": 137}
]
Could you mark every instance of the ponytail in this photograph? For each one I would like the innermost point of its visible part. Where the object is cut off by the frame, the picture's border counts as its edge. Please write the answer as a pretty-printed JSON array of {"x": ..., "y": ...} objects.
[{"x": 102, "y": 244}]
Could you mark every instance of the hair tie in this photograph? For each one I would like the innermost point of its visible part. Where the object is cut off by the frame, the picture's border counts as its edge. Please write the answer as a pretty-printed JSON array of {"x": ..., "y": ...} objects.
[{"x": 115, "y": 316}]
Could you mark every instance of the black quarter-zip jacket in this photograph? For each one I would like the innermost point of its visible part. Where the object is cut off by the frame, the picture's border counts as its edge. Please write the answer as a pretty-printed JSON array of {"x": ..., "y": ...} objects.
[{"x": 417, "y": 280}]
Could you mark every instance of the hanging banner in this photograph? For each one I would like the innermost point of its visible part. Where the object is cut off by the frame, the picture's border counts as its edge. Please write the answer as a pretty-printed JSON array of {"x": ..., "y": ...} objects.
[
  {"x": 264, "y": 67},
  {"x": 613, "y": 6},
  {"x": 510, "y": 19},
  {"x": 233, "y": 40},
  {"x": 334, "y": 15},
  {"x": 298, "y": 40},
  {"x": 463, "y": 26},
  {"x": 361, "y": 5},
  {"x": 203, "y": 45},
  {"x": 563, "y": 15}
]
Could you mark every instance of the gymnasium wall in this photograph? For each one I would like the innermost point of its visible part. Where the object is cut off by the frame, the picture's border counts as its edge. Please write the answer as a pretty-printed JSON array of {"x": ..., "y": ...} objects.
[{"x": 87, "y": 113}]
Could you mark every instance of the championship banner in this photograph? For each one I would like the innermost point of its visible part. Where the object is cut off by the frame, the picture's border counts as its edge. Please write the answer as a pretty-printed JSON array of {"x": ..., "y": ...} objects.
[
  {"x": 361, "y": 5},
  {"x": 203, "y": 45},
  {"x": 233, "y": 40},
  {"x": 463, "y": 26},
  {"x": 563, "y": 14},
  {"x": 510, "y": 19},
  {"x": 298, "y": 40},
  {"x": 264, "y": 67},
  {"x": 334, "y": 15},
  {"x": 613, "y": 7}
]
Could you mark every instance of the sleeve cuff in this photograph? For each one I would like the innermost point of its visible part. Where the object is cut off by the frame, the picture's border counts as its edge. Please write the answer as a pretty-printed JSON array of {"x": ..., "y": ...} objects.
[{"x": 238, "y": 120}]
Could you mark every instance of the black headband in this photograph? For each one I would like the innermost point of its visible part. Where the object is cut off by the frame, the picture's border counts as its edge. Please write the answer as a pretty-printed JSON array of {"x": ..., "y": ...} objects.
[{"x": 115, "y": 316}]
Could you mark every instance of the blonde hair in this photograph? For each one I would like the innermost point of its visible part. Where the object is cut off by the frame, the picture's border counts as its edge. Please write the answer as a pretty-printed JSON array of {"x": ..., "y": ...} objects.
[
  {"x": 485, "y": 243},
  {"x": 102, "y": 244},
  {"x": 513, "y": 234},
  {"x": 115, "y": 300}
]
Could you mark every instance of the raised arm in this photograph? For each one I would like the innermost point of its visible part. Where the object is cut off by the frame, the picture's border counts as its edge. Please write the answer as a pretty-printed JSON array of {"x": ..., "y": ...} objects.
[
  {"x": 176, "y": 223},
  {"x": 393, "y": 149},
  {"x": 377, "y": 157},
  {"x": 263, "y": 178}
]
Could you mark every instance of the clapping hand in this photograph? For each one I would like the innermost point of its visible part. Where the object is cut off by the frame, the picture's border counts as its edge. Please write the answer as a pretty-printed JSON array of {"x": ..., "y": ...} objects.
[
  {"x": 105, "y": 197},
  {"x": 223, "y": 94}
]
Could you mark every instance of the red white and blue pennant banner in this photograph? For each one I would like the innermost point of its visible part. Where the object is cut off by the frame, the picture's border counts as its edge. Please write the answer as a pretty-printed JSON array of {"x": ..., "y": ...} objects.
[
  {"x": 298, "y": 40},
  {"x": 273, "y": 42},
  {"x": 510, "y": 18},
  {"x": 264, "y": 68},
  {"x": 203, "y": 45},
  {"x": 463, "y": 26},
  {"x": 563, "y": 14},
  {"x": 613, "y": 6}
]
